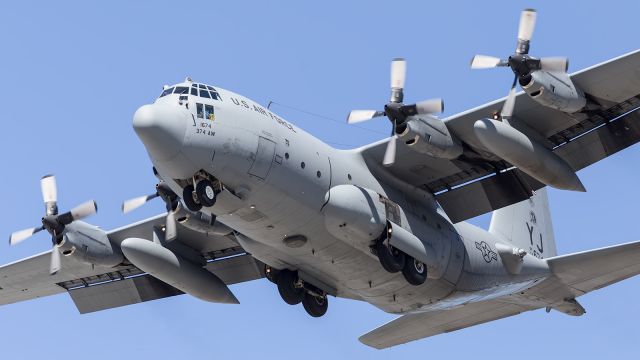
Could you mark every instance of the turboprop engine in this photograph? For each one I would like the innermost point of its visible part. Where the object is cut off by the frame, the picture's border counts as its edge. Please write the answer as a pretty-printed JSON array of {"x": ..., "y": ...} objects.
[
  {"x": 554, "y": 90},
  {"x": 89, "y": 244},
  {"x": 429, "y": 136},
  {"x": 360, "y": 217}
]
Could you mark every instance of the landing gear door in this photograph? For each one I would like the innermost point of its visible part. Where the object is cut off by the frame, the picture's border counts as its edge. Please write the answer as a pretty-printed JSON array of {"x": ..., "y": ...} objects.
[{"x": 264, "y": 158}]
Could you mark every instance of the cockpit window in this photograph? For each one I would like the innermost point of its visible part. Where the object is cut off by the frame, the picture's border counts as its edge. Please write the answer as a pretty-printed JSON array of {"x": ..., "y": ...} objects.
[
  {"x": 194, "y": 91},
  {"x": 201, "y": 86},
  {"x": 205, "y": 94},
  {"x": 211, "y": 88},
  {"x": 208, "y": 112},
  {"x": 215, "y": 96},
  {"x": 200, "y": 110},
  {"x": 181, "y": 90},
  {"x": 166, "y": 92}
]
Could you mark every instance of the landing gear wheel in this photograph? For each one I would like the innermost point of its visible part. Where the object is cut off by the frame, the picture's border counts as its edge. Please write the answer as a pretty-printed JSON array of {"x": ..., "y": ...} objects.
[
  {"x": 286, "y": 280},
  {"x": 390, "y": 258},
  {"x": 315, "y": 306},
  {"x": 189, "y": 200},
  {"x": 205, "y": 193},
  {"x": 414, "y": 271}
]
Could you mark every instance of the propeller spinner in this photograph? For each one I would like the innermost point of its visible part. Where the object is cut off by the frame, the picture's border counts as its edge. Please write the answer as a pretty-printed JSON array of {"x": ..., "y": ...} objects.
[
  {"x": 520, "y": 62},
  {"x": 53, "y": 222},
  {"x": 396, "y": 110}
]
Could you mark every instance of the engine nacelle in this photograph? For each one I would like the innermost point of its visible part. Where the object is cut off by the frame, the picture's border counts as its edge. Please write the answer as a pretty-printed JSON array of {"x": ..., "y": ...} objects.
[
  {"x": 354, "y": 214},
  {"x": 90, "y": 244},
  {"x": 554, "y": 90},
  {"x": 430, "y": 136}
]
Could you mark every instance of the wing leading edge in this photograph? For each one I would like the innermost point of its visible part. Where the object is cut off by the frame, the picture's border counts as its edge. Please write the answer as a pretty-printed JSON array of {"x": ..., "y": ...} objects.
[{"x": 486, "y": 182}]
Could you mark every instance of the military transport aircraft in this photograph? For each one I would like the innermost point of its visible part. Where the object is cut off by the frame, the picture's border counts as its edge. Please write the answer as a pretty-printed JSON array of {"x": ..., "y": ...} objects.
[{"x": 249, "y": 195}]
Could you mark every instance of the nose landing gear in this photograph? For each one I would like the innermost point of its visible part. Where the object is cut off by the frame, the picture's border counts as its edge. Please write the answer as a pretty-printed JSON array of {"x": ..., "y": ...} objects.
[
  {"x": 294, "y": 291},
  {"x": 204, "y": 194}
]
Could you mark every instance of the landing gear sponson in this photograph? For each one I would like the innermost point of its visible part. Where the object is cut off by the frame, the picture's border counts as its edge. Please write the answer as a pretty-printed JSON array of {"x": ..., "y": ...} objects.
[{"x": 295, "y": 291}]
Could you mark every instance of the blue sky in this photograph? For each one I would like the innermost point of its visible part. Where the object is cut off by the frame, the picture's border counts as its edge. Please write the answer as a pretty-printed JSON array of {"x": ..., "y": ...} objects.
[{"x": 74, "y": 73}]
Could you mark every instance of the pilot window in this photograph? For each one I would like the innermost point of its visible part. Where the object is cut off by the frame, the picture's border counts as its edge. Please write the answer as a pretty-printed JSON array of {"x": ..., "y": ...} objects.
[
  {"x": 194, "y": 91},
  {"x": 208, "y": 112},
  {"x": 166, "y": 92},
  {"x": 205, "y": 94},
  {"x": 199, "y": 110},
  {"x": 181, "y": 90}
]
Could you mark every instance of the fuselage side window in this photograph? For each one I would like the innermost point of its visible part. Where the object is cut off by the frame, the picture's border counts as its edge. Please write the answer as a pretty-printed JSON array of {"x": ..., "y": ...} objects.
[
  {"x": 200, "y": 110},
  {"x": 208, "y": 112}
]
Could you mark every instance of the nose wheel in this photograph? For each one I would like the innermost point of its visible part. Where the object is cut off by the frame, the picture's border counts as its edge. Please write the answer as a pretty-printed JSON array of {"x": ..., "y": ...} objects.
[
  {"x": 190, "y": 199},
  {"x": 203, "y": 195}
]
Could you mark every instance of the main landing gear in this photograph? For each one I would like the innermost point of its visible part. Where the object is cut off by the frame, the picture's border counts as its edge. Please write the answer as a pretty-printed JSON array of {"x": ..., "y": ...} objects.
[
  {"x": 204, "y": 194},
  {"x": 294, "y": 291},
  {"x": 393, "y": 260}
]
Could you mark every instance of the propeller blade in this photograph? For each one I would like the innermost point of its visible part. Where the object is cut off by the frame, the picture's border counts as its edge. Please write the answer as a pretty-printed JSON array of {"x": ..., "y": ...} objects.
[
  {"x": 356, "y": 116},
  {"x": 19, "y": 236},
  {"x": 558, "y": 64},
  {"x": 83, "y": 210},
  {"x": 398, "y": 73},
  {"x": 509, "y": 104},
  {"x": 49, "y": 188},
  {"x": 431, "y": 106},
  {"x": 170, "y": 227},
  {"x": 527, "y": 24},
  {"x": 485, "y": 62},
  {"x": 135, "y": 203},
  {"x": 390, "y": 152},
  {"x": 54, "y": 265}
]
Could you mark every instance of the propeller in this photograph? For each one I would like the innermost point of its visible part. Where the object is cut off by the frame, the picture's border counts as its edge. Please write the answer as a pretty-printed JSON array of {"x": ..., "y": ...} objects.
[
  {"x": 520, "y": 62},
  {"x": 54, "y": 222},
  {"x": 395, "y": 110},
  {"x": 171, "y": 203}
]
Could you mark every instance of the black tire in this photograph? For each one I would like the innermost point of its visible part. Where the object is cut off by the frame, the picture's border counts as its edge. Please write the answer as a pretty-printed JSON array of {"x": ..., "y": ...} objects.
[
  {"x": 414, "y": 271},
  {"x": 206, "y": 193},
  {"x": 189, "y": 201},
  {"x": 314, "y": 305},
  {"x": 390, "y": 258},
  {"x": 289, "y": 293}
]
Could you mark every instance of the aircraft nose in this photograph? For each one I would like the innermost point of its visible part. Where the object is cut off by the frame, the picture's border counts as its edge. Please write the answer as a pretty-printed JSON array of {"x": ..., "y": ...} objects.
[{"x": 161, "y": 129}]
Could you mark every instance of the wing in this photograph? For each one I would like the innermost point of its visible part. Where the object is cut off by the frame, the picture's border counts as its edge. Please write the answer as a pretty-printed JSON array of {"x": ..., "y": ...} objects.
[
  {"x": 478, "y": 182},
  {"x": 421, "y": 325},
  {"x": 94, "y": 288},
  {"x": 456, "y": 312}
]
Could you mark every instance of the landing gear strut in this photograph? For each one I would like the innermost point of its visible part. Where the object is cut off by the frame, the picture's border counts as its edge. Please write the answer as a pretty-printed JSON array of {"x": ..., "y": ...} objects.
[{"x": 391, "y": 259}]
